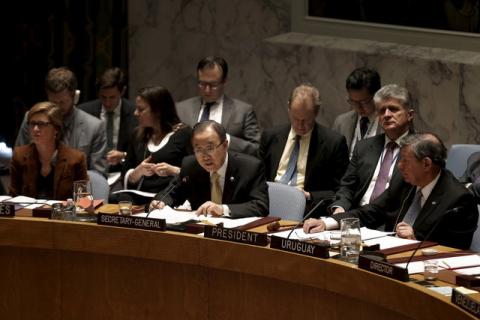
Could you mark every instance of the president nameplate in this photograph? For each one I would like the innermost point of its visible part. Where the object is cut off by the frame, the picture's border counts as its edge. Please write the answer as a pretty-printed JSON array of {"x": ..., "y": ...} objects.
[
  {"x": 383, "y": 268},
  {"x": 318, "y": 250},
  {"x": 235, "y": 235},
  {"x": 7, "y": 210},
  {"x": 131, "y": 222}
]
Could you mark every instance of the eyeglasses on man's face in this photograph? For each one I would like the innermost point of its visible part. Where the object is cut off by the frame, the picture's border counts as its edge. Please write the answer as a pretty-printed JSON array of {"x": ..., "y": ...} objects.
[
  {"x": 208, "y": 150},
  {"x": 212, "y": 85},
  {"x": 39, "y": 124},
  {"x": 360, "y": 103}
]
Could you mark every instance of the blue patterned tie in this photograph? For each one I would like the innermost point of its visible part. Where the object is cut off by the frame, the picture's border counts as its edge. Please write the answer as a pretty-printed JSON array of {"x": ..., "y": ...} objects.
[
  {"x": 414, "y": 209},
  {"x": 290, "y": 176}
]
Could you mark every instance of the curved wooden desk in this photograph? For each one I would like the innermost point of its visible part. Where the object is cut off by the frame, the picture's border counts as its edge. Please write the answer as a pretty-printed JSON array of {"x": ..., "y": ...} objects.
[{"x": 62, "y": 270}]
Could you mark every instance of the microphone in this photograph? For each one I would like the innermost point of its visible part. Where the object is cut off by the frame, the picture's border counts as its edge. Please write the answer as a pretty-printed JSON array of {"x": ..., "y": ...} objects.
[
  {"x": 323, "y": 201},
  {"x": 174, "y": 184},
  {"x": 453, "y": 210}
]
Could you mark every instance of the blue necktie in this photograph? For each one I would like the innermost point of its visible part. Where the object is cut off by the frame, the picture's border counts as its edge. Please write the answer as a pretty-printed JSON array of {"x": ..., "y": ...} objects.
[
  {"x": 414, "y": 209},
  {"x": 290, "y": 176},
  {"x": 206, "y": 111}
]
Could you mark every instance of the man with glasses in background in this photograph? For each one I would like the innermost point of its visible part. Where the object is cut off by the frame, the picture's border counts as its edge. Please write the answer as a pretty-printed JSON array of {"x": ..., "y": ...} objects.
[
  {"x": 216, "y": 181},
  {"x": 237, "y": 117},
  {"x": 362, "y": 121}
]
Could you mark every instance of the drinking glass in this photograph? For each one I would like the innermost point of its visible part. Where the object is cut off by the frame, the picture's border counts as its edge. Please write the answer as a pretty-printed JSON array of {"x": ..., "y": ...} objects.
[
  {"x": 125, "y": 208},
  {"x": 57, "y": 211},
  {"x": 351, "y": 239},
  {"x": 82, "y": 197},
  {"x": 430, "y": 270}
]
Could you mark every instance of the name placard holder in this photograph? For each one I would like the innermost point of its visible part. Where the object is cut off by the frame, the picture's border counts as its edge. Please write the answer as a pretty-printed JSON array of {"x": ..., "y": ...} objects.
[
  {"x": 386, "y": 269},
  {"x": 131, "y": 222},
  {"x": 7, "y": 210},
  {"x": 235, "y": 235},
  {"x": 466, "y": 303},
  {"x": 318, "y": 250}
]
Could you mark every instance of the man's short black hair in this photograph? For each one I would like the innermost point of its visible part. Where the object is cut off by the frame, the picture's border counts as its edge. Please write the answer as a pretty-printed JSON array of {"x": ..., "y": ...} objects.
[
  {"x": 364, "y": 78},
  {"x": 211, "y": 61}
]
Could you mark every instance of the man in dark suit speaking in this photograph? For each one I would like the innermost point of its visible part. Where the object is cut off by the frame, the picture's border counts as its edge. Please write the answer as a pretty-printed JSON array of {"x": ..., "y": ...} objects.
[
  {"x": 218, "y": 182},
  {"x": 435, "y": 196},
  {"x": 237, "y": 117}
]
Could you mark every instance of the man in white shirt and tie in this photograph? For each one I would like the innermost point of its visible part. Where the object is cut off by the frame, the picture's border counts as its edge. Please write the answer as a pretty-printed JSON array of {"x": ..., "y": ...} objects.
[
  {"x": 216, "y": 181},
  {"x": 435, "y": 203},
  {"x": 237, "y": 117},
  {"x": 372, "y": 167}
]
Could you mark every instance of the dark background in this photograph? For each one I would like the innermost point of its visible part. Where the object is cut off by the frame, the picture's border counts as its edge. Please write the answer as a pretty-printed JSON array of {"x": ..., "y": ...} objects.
[
  {"x": 86, "y": 36},
  {"x": 451, "y": 15}
]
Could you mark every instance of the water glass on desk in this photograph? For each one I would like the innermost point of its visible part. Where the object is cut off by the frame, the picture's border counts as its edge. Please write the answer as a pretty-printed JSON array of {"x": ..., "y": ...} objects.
[
  {"x": 125, "y": 208},
  {"x": 430, "y": 271},
  {"x": 351, "y": 239},
  {"x": 82, "y": 196},
  {"x": 57, "y": 211}
]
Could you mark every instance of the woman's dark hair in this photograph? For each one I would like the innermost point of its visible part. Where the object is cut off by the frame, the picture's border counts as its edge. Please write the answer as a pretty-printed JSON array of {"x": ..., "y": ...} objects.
[{"x": 162, "y": 108}]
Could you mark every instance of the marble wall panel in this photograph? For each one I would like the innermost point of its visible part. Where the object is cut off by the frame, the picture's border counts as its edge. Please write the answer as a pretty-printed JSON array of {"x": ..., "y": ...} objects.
[{"x": 167, "y": 38}]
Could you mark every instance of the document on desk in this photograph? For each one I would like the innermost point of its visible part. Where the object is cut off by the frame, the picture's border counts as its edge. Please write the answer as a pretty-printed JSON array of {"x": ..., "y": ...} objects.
[
  {"x": 444, "y": 263},
  {"x": 388, "y": 242},
  {"x": 173, "y": 216},
  {"x": 299, "y": 234}
]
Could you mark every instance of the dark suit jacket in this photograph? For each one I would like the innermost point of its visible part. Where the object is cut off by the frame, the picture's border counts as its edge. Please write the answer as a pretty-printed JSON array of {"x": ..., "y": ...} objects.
[
  {"x": 326, "y": 162},
  {"x": 128, "y": 121},
  {"x": 245, "y": 190},
  {"x": 346, "y": 123},
  {"x": 25, "y": 169},
  {"x": 360, "y": 171},
  {"x": 238, "y": 119},
  {"x": 454, "y": 229}
]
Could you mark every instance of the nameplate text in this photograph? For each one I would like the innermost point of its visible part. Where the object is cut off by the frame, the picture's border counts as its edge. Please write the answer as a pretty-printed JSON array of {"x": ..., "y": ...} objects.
[
  {"x": 7, "y": 210},
  {"x": 386, "y": 269},
  {"x": 131, "y": 222},
  {"x": 235, "y": 235},
  {"x": 318, "y": 250},
  {"x": 466, "y": 303}
]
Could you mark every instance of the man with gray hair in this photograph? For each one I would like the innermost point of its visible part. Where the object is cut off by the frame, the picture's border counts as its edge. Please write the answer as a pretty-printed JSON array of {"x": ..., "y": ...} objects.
[
  {"x": 372, "y": 167},
  {"x": 303, "y": 153},
  {"x": 434, "y": 203}
]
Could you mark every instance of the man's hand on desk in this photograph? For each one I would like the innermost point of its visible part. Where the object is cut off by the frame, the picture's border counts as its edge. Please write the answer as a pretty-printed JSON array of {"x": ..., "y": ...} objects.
[
  {"x": 314, "y": 225},
  {"x": 155, "y": 204},
  {"x": 405, "y": 230},
  {"x": 210, "y": 208}
]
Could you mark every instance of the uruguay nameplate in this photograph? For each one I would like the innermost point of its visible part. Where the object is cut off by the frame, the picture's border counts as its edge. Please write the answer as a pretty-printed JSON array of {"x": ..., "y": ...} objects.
[
  {"x": 318, "y": 250},
  {"x": 466, "y": 303},
  {"x": 386, "y": 269},
  {"x": 7, "y": 210},
  {"x": 235, "y": 235},
  {"x": 131, "y": 222}
]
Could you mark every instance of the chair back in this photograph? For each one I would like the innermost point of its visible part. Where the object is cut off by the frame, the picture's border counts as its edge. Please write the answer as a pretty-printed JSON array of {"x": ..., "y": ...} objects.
[
  {"x": 286, "y": 202},
  {"x": 475, "y": 246},
  {"x": 458, "y": 156},
  {"x": 100, "y": 188}
]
